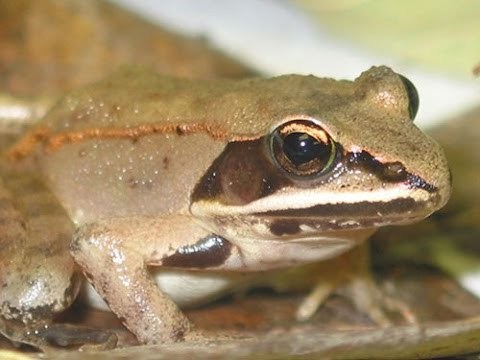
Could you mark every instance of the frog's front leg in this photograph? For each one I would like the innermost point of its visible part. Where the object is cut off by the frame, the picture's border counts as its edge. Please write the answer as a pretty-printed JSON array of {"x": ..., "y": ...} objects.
[{"x": 115, "y": 255}]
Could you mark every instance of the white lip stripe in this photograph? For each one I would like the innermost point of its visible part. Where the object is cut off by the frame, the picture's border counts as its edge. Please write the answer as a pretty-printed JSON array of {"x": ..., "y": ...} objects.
[{"x": 309, "y": 198}]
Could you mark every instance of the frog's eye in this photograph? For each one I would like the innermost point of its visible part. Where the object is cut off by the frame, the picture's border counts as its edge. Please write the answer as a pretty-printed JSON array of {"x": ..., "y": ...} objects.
[
  {"x": 303, "y": 148},
  {"x": 413, "y": 99}
]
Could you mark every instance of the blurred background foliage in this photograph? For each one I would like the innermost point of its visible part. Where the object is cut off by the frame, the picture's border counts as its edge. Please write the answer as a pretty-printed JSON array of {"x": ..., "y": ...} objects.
[{"x": 437, "y": 34}]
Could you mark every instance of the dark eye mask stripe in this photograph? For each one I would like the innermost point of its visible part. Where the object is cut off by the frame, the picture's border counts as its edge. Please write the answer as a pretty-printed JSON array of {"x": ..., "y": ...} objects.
[
  {"x": 244, "y": 172},
  {"x": 389, "y": 172},
  {"x": 416, "y": 182}
]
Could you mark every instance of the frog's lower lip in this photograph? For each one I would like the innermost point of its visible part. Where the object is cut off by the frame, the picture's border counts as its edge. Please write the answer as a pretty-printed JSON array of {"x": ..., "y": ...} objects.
[
  {"x": 300, "y": 227},
  {"x": 310, "y": 221}
]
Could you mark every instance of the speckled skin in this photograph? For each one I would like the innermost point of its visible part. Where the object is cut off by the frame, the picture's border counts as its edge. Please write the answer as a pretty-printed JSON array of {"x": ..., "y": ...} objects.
[{"x": 140, "y": 163}]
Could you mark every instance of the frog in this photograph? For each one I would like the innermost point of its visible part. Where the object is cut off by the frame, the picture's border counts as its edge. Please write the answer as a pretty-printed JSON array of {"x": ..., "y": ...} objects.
[{"x": 146, "y": 193}]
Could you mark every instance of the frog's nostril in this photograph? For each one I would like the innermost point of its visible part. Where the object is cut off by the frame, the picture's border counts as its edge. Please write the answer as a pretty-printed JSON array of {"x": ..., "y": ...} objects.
[{"x": 394, "y": 171}]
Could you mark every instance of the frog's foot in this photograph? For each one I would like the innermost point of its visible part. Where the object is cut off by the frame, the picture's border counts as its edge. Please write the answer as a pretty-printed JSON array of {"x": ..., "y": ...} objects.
[
  {"x": 370, "y": 299},
  {"x": 353, "y": 279},
  {"x": 85, "y": 338},
  {"x": 48, "y": 337},
  {"x": 367, "y": 297}
]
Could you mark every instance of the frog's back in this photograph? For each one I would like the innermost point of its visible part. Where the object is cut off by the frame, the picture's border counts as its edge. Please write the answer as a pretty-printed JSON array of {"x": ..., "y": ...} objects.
[
  {"x": 105, "y": 152},
  {"x": 137, "y": 98},
  {"x": 136, "y": 143}
]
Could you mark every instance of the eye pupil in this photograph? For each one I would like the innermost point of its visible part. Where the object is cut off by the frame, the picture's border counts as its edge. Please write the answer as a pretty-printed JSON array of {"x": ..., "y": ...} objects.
[{"x": 301, "y": 148}]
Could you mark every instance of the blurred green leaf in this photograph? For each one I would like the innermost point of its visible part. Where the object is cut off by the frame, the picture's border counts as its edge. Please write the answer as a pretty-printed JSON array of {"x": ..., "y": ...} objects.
[{"x": 438, "y": 34}]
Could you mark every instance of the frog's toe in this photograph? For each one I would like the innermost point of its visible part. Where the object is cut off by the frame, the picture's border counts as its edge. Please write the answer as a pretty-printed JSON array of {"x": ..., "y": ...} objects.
[
  {"x": 310, "y": 305},
  {"x": 367, "y": 297},
  {"x": 47, "y": 337},
  {"x": 86, "y": 338},
  {"x": 370, "y": 299}
]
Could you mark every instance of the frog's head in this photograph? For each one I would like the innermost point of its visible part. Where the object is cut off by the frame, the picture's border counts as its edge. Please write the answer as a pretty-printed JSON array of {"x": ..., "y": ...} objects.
[{"x": 343, "y": 156}]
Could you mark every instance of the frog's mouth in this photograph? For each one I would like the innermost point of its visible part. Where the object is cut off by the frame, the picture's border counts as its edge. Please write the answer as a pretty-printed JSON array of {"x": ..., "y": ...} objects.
[
  {"x": 303, "y": 215},
  {"x": 351, "y": 216}
]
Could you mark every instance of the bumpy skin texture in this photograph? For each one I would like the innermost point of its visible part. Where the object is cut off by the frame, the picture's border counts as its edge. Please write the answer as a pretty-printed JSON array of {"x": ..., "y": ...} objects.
[
  {"x": 42, "y": 244},
  {"x": 147, "y": 168},
  {"x": 376, "y": 103},
  {"x": 39, "y": 278}
]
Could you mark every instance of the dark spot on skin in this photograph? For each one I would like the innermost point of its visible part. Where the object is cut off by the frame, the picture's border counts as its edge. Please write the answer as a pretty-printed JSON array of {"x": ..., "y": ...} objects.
[
  {"x": 166, "y": 162},
  {"x": 284, "y": 227},
  {"x": 82, "y": 153},
  {"x": 132, "y": 182},
  {"x": 179, "y": 130},
  {"x": 210, "y": 251}
]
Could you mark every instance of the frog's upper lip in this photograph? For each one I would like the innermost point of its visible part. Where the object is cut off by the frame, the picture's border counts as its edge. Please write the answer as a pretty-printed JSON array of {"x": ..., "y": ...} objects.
[
  {"x": 315, "y": 203},
  {"x": 395, "y": 210},
  {"x": 334, "y": 216},
  {"x": 363, "y": 208}
]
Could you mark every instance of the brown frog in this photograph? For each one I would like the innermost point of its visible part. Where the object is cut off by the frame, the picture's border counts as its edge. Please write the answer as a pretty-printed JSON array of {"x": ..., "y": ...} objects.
[{"x": 163, "y": 192}]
